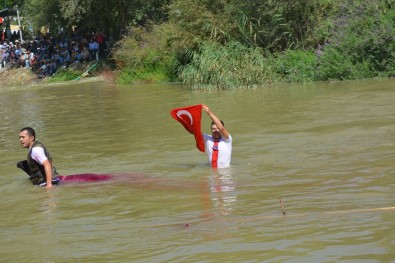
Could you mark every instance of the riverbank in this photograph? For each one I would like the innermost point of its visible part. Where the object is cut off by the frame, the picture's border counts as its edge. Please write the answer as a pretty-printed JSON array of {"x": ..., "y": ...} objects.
[
  {"x": 19, "y": 76},
  {"x": 22, "y": 76}
]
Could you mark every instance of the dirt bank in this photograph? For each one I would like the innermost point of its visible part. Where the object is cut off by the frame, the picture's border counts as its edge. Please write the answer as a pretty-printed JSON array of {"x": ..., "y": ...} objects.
[
  {"x": 24, "y": 76},
  {"x": 19, "y": 76}
]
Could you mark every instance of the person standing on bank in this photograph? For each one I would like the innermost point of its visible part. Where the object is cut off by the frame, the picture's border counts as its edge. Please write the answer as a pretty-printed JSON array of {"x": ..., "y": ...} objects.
[
  {"x": 39, "y": 162},
  {"x": 218, "y": 145}
]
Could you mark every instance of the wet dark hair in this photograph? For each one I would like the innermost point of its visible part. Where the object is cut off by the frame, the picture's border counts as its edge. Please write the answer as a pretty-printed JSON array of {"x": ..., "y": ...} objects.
[
  {"x": 29, "y": 131},
  {"x": 214, "y": 123}
]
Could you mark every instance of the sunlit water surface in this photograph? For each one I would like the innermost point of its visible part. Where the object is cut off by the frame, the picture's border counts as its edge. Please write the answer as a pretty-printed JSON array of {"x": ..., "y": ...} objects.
[{"x": 325, "y": 151}]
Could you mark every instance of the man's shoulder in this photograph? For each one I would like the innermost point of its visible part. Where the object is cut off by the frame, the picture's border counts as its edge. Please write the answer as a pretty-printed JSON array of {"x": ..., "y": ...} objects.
[
  {"x": 229, "y": 139},
  {"x": 38, "y": 144},
  {"x": 37, "y": 148},
  {"x": 207, "y": 136}
]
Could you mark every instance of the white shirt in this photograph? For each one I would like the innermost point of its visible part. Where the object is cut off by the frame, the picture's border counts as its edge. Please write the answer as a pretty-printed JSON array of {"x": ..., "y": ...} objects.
[
  {"x": 224, "y": 150},
  {"x": 38, "y": 155}
]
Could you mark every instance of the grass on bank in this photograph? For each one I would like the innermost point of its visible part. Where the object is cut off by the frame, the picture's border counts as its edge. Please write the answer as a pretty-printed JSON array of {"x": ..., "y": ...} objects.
[
  {"x": 77, "y": 71},
  {"x": 63, "y": 75}
]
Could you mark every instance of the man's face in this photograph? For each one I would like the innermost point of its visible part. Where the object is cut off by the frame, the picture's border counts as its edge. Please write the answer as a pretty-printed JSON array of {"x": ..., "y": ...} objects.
[
  {"x": 25, "y": 140},
  {"x": 215, "y": 132}
]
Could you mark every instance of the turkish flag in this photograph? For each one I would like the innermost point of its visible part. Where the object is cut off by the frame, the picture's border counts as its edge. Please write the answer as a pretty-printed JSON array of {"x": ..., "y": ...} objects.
[{"x": 190, "y": 117}]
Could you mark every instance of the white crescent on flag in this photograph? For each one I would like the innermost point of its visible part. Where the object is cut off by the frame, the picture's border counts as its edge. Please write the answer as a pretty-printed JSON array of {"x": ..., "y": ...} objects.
[
  {"x": 184, "y": 112},
  {"x": 190, "y": 118}
]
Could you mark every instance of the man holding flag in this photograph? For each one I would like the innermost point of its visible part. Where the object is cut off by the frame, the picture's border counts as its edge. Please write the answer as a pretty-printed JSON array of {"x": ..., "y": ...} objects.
[{"x": 218, "y": 145}]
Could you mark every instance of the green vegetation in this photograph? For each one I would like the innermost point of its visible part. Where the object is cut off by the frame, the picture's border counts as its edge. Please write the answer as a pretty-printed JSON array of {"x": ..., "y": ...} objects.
[
  {"x": 362, "y": 44},
  {"x": 296, "y": 65},
  {"x": 253, "y": 43},
  {"x": 233, "y": 43},
  {"x": 226, "y": 66},
  {"x": 143, "y": 56},
  {"x": 64, "y": 75},
  {"x": 76, "y": 72}
]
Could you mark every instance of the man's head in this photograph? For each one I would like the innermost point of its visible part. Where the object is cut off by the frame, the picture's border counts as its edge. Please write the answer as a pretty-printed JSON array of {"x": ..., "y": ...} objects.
[
  {"x": 215, "y": 131},
  {"x": 27, "y": 137}
]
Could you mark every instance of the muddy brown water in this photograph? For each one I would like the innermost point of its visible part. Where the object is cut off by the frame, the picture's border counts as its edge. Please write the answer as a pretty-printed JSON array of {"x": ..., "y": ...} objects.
[{"x": 326, "y": 150}]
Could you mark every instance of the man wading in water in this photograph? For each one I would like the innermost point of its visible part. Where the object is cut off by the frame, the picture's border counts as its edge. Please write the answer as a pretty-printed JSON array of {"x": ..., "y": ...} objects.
[
  {"x": 218, "y": 145},
  {"x": 39, "y": 162}
]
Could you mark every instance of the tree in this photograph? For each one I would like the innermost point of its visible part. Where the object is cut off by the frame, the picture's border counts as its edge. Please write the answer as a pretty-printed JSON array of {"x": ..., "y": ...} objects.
[
  {"x": 9, "y": 10},
  {"x": 111, "y": 16}
]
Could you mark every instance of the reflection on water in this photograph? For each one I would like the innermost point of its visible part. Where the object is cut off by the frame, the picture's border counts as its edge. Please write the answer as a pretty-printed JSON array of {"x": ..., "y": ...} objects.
[
  {"x": 222, "y": 188},
  {"x": 326, "y": 150}
]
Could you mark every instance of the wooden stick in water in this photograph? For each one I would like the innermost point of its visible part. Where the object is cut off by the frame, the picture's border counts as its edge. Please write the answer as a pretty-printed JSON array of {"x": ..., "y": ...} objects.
[{"x": 282, "y": 206}]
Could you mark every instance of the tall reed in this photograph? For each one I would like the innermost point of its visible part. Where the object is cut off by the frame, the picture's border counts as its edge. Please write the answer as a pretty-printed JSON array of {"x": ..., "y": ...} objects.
[{"x": 229, "y": 66}]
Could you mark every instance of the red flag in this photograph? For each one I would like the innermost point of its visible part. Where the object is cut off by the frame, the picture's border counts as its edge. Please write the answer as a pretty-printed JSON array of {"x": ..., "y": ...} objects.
[{"x": 190, "y": 117}]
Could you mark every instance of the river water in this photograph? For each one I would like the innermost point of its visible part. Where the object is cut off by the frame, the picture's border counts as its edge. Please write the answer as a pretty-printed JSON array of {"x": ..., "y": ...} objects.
[{"x": 311, "y": 180}]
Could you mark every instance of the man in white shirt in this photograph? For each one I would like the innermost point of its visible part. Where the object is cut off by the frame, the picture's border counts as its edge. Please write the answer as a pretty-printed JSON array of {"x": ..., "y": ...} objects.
[
  {"x": 218, "y": 145},
  {"x": 39, "y": 162}
]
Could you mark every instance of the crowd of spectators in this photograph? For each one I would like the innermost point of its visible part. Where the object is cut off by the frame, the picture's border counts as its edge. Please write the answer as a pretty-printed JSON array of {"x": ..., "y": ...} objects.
[{"x": 45, "y": 54}]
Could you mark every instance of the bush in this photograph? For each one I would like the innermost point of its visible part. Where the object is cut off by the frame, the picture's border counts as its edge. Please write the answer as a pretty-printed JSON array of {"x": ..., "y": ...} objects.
[
  {"x": 363, "y": 44},
  {"x": 143, "y": 55},
  {"x": 226, "y": 67},
  {"x": 334, "y": 65},
  {"x": 296, "y": 65}
]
